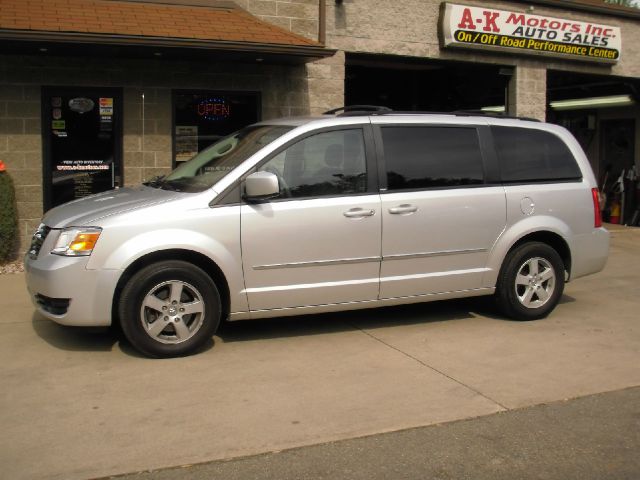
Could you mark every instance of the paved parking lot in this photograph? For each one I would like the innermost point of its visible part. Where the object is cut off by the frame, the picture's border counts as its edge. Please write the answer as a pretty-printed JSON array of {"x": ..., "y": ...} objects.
[{"x": 78, "y": 404}]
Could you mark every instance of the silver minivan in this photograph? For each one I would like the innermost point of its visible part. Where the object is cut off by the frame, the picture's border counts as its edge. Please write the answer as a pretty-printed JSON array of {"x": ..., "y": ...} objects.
[{"x": 344, "y": 211}]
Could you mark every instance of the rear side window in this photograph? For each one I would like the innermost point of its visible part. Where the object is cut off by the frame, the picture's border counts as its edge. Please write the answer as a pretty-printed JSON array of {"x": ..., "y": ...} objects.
[
  {"x": 528, "y": 155},
  {"x": 431, "y": 157}
]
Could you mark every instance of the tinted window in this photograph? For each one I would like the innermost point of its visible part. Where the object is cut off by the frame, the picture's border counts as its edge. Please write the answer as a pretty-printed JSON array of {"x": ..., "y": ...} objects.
[
  {"x": 424, "y": 157},
  {"x": 329, "y": 163},
  {"x": 533, "y": 155}
]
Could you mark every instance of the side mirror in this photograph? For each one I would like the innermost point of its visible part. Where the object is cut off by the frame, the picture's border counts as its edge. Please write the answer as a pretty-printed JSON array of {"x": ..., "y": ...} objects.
[{"x": 261, "y": 186}]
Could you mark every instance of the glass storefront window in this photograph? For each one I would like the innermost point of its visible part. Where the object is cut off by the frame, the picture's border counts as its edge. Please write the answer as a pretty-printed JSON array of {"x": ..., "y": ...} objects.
[{"x": 200, "y": 118}]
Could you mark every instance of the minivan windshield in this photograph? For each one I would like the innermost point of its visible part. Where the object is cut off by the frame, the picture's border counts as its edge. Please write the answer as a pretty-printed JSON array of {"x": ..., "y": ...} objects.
[{"x": 214, "y": 162}]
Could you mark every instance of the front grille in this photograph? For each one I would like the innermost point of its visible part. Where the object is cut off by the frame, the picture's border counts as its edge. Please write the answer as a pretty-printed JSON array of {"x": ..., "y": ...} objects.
[
  {"x": 55, "y": 306},
  {"x": 38, "y": 240}
]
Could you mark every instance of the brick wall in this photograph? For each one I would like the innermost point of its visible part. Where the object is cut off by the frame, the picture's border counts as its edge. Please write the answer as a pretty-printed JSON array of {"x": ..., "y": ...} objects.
[{"x": 284, "y": 92}]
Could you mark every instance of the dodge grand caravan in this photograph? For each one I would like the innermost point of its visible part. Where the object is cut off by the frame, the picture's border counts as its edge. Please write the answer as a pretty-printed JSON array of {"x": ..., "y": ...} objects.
[{"x": 344, "y": 211}]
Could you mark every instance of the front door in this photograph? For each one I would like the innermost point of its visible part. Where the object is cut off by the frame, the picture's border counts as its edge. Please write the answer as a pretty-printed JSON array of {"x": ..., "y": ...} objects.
[
  {"x": 82, "y": 142},
  {"x": 319, "y": 243}
]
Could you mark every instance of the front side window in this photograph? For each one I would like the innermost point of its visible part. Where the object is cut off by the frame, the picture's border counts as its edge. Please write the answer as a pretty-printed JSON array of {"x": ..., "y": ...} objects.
[
  {"x": 431, "y": 157},
  {"x": 527, "y": 155},
  {"x": 328, "y": 163}
]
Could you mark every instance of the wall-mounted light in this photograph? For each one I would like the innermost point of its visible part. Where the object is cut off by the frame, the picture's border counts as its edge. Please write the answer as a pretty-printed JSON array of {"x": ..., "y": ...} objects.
[
  {"x": 593, "y": 102},
  {"x": 493, "y": 108}
]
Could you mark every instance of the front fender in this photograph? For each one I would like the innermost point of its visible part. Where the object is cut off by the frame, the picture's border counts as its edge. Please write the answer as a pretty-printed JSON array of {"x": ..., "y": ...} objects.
[{"x": 226, "y": 255}]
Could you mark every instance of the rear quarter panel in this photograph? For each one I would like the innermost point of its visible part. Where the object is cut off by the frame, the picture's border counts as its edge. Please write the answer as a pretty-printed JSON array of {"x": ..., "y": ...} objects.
[{"x": 565, "y": 209}]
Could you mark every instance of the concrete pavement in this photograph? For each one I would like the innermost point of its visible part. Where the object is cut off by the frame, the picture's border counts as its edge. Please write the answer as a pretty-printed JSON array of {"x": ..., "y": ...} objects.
[{"x": 79, "y": 404}]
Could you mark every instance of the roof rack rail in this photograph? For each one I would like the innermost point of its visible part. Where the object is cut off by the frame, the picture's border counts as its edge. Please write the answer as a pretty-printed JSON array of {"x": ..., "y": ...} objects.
[
  {"x": 358, "y": 110},
  {"x": 416, "y": 112},
  {"x": 482, "y": 113}
]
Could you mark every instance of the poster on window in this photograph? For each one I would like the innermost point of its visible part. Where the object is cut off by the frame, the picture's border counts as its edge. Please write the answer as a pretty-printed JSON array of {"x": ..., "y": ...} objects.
[{"x": 186, "y": 142}]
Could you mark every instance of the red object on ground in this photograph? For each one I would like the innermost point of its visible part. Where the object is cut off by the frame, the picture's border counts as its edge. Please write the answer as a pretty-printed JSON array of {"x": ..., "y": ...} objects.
[
  {"x": 2, "y": 166},
  {"x": 615, "y": 213}
]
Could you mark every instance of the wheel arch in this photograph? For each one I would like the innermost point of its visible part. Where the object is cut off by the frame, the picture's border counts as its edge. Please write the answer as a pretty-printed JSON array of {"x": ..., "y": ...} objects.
[
  {"x": 548, "y": 230},
  {"x": 554, "y": 240},
  {"x": 195, "y": 258}
]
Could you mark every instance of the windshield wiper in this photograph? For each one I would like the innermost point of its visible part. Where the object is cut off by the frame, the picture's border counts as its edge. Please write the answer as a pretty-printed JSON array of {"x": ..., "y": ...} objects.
[
  {"x": 184, "y": 184},
  {"x": 155, "y": 182}
]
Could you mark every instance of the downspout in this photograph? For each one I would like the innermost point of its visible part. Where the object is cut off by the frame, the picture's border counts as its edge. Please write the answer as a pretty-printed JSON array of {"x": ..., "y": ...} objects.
[{"x": 322, "y": 22}]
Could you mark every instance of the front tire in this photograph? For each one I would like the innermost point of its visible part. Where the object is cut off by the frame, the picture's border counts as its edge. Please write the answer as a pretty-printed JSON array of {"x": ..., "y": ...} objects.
[
  {"x": 531, "y": 281},
  {"x": 169, "y": 309}
]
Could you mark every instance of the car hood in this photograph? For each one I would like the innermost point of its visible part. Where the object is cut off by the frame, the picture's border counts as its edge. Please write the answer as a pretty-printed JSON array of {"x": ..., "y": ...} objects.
[{"x": 88, "y": 210}]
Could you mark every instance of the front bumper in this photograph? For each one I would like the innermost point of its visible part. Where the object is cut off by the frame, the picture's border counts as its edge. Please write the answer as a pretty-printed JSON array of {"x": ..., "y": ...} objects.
[{"x": 63, "y": 290}]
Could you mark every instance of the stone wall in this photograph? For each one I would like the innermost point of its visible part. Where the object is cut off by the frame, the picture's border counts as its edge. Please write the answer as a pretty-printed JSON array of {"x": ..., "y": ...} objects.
[
  {"x": 528, "y": 91},
  {"x": 21, "y": 151},
  {"x": 325, "y": 79},
  {"x": 283, "y": 89},
  {"x": 410, "y": 28},
  {"x": 298, "y": 16}
]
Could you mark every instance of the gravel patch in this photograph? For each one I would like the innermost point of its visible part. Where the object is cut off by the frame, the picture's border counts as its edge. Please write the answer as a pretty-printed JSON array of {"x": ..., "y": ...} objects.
[{"x": 12, "y": 267}]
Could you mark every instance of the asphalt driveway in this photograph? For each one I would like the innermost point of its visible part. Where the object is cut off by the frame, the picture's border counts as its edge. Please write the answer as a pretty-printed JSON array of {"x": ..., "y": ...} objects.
[{"x": 77, "y": 403}]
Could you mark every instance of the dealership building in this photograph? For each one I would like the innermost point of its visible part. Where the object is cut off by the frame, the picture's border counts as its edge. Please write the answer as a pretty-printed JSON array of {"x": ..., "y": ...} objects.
[{"x": 96, "y": 94}]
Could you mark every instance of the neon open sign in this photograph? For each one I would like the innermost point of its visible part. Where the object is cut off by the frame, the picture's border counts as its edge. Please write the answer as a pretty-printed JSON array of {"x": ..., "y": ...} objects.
[{"x": 213, "y": 109}]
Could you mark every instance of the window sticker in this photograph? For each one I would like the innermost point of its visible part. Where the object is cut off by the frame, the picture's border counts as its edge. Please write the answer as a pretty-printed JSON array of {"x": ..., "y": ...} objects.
[{"x": 81, "y": 105}]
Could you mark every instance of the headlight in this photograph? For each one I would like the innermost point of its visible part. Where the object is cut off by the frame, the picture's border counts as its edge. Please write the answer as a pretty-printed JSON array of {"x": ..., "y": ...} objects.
[{"x": 76, "y": 241}]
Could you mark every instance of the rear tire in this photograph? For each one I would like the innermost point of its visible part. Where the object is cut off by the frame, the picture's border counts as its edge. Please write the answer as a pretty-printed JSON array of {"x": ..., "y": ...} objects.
[
  {"x": 531, "y": 281},
  {"x": 169, "y": 309}
]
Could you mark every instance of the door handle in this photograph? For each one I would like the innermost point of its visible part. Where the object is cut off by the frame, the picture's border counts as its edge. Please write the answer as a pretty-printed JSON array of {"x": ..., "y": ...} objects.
[
  {"x": 359, "y": 213},
  {"x": 403, "y": 209}
]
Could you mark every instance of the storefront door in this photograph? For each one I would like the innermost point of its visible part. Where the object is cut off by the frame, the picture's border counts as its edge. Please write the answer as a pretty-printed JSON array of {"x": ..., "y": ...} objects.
[{"x": 82, "y": 138}]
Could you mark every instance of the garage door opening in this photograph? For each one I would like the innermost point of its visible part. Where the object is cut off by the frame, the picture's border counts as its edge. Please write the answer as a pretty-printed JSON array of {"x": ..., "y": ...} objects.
[
  {"x": 407, "y": 84},
  {"x": 602, "y": 113}
]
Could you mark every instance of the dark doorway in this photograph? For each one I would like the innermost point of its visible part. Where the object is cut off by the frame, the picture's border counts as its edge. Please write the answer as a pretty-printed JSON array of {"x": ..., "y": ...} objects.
[
  {"x": 563, "y": 85},
  {"x": 407, "y": 84},
  {"x": 617, "y": 145},
  {"x": 82, "y": 138},
  {"x": 617, "y": 158},
  {"x": 592, "y": 108}
]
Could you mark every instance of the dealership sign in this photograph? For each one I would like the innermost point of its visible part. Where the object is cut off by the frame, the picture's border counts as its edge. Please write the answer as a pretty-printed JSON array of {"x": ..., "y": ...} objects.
[{"x": 483, "y": 28}]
